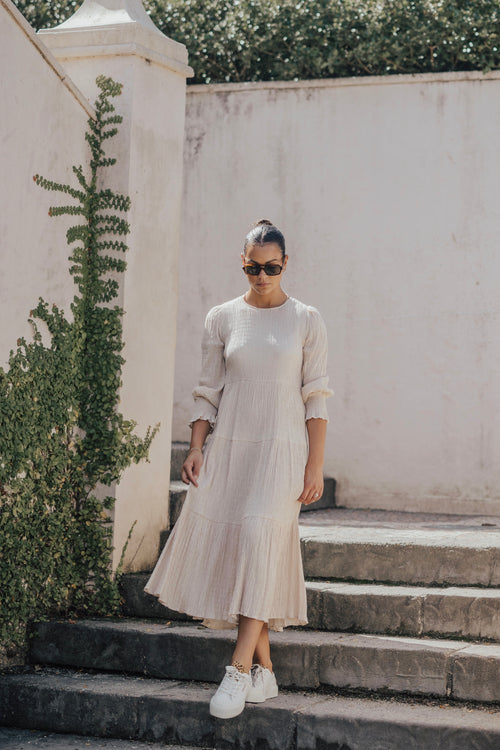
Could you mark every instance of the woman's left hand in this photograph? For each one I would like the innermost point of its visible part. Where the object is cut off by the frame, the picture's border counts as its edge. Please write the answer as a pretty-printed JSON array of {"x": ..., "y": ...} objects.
[{"x": 313, "y": 484}]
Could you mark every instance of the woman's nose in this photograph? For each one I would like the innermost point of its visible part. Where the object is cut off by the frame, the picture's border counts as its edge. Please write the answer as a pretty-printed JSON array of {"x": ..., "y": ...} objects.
[{"x": 261, "y": 271}]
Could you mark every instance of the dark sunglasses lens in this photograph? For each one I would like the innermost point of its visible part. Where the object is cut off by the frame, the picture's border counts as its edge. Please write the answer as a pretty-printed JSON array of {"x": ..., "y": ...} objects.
[
  {"x": 273, "y": 270},
  {"x": 269, "y": 270}
]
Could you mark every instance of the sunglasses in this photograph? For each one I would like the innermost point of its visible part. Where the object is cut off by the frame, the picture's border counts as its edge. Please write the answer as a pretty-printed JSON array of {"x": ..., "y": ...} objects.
[{"x": 270, "y": 269}]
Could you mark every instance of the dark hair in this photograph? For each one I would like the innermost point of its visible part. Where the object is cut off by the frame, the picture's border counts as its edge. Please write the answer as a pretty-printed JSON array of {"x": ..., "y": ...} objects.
[{"x": 263, "y": 232}]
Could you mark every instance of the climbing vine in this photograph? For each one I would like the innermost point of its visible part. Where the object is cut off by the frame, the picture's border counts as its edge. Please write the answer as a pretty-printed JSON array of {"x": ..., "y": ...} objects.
[{"x": 62, "y": 438}]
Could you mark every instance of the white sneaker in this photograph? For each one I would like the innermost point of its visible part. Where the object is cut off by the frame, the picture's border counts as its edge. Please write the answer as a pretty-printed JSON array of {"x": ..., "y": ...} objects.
[
  {"x": 229, "y": 700},
  {"x": 264, "y": 685}
]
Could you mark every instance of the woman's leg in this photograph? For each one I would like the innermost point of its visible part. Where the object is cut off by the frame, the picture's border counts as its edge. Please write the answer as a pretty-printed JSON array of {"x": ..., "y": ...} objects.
[
  {"x": 262, "y": 653},
  {"x": 237, "y": 684},
  {"x": 249, "y": 635}
]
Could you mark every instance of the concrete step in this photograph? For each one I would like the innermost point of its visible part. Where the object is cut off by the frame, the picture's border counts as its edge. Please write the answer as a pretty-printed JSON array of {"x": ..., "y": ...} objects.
[
  {"x": 301, "y": 658},
  {"x": 178, "y": 453},
  {"x": 147, "y": 709},
  {"x": 33, "y": 739},
  {"x": 177, "y": 495},
  {"x": 422, "y": 549},
  {"x": 136, "y": 603},
  {"x": 463, "y": 613},
  {"x": 453, "y": 612}
]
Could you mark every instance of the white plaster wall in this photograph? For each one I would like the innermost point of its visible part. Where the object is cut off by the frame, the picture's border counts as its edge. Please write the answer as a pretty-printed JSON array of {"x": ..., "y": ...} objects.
[
  {"x": 42, "y": 126},
  {"x": 148, "y": 147},
  {"x": 387, "y": 192}
]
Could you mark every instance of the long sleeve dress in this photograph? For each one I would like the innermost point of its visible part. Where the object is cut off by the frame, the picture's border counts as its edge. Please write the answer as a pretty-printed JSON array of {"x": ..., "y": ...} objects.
[{"x": 235, "y": 548}]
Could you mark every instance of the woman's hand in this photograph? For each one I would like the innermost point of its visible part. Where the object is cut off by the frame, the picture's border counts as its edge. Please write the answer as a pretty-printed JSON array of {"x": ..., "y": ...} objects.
[
  {"x": 313, "y": 475},
  {"x": 191, "y": 467},
  {"x": 313, "y": 483}
]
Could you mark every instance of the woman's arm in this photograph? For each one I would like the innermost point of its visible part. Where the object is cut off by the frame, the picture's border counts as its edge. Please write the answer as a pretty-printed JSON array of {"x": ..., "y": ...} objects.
[
  {"x": 199, "y": 433},
  {"x": 313, "y": 474},
  {"x": 206, "y": 395},
  {"x": 315, "y": 391},
  {"x": 191, "y": 467}
]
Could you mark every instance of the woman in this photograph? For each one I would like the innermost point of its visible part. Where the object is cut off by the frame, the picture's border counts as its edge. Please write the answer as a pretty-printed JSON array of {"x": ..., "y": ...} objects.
[{"x": 233, "y": 557}]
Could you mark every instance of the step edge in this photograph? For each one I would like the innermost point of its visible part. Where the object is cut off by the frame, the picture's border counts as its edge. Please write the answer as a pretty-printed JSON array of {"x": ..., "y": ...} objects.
[{"x": 66, "y": 679}]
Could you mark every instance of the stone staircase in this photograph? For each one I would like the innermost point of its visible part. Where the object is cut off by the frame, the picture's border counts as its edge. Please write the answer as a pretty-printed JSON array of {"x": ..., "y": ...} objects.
[{"x": 402, "y": 650}]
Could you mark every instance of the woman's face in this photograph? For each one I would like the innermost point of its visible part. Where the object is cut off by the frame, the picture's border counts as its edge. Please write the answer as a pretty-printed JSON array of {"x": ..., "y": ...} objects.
[{"x": 270, "y": 252}]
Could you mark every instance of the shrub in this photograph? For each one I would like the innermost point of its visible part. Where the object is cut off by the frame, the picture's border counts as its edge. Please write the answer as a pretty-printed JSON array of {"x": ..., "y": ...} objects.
[
  {"x": 263, "y": 40},
  {"x": 61, "y": 436}
]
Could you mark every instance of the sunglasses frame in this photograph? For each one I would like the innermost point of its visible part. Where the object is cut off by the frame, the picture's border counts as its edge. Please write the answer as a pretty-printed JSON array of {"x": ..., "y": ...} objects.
[{"x": 262, "y": 266}]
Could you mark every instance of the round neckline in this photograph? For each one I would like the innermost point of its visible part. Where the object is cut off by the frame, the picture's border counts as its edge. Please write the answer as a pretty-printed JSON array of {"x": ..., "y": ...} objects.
[{"x": 254, "y": 307}]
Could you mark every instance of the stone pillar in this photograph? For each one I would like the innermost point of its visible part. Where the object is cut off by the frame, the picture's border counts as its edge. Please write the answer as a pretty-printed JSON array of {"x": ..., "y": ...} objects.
[{"x": 118, "y": 39}]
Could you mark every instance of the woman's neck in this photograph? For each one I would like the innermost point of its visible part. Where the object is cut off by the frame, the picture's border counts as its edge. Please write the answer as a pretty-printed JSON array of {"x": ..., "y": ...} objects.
[{"x": 260, "y": 300}]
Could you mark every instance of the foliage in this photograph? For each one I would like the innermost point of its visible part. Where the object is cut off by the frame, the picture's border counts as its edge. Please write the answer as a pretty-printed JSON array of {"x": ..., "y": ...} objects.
[
  {"x": 61, "y": 437},
  {"x": 262, "y": 40}
]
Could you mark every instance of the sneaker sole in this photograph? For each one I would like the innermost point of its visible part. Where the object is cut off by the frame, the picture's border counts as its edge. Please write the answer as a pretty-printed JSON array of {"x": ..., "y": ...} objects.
[
  {"x": 274, "y": 694},
  {"x": 225, "y": 714}
]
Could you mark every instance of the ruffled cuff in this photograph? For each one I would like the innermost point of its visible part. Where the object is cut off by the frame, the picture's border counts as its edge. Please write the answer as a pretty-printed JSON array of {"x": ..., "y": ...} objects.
[
  {"x": 318, "y": 386},
  {"x": 203, "y": 409},
  {"x": 316, "y": 407}
]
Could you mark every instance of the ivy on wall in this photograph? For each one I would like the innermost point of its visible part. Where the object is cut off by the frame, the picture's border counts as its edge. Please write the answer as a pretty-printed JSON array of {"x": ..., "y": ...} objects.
[
  {"x": 264, "y": 40},
  {"x": 61, "y": 435}
]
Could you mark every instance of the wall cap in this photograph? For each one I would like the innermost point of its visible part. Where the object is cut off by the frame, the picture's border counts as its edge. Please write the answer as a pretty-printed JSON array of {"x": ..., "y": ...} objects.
[
  {"x": 94, "y": 13},
  {"x": 47, "y": 55},
  {"x": 320, "y": 83}
]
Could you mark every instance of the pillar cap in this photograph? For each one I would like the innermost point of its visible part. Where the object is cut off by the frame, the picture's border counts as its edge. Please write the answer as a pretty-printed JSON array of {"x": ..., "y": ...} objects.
[
  {"x": 94, "y": 13},
  {"x": 115, "y": 27}
]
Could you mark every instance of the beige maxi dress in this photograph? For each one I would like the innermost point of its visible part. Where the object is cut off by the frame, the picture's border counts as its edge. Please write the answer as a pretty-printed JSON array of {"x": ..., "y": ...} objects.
[{"x": 235, "y": 548}]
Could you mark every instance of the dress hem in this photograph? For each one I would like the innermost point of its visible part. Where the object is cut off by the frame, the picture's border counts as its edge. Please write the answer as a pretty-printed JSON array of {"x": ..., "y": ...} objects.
[{"x": 231, "y": 621}]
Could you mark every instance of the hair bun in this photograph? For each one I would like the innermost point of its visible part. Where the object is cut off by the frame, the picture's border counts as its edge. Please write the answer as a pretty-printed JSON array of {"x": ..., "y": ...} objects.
[{"x": 263, "y": 233}]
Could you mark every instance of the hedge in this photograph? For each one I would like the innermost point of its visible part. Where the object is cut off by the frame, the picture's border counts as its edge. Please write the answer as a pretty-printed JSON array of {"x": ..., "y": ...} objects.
[{"x": 265, "y": 40}]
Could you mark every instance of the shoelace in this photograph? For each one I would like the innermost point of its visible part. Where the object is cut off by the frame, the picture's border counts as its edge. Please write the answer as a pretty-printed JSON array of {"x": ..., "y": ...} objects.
[
  {"x": 257, "y": 675},
  {"x": 232, "y": 682}
]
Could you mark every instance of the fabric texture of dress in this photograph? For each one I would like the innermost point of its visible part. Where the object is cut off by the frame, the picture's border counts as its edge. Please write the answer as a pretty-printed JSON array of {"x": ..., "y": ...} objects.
[{"x": 235, "y": 548}]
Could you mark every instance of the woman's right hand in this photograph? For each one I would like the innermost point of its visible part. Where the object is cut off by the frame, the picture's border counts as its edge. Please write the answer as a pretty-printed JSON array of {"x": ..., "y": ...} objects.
[{"x": 191, "y": 467}]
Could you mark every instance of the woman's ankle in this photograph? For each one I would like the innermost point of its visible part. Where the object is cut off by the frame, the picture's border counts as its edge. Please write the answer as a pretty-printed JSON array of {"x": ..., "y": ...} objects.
[
  {"x": 265, "y": 665},
  {"x": 240, "y": 667}
]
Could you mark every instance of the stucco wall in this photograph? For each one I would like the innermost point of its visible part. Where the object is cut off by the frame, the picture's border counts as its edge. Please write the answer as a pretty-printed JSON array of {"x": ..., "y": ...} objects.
[
  {"x": 46, "y": 79},
  {"x": 44, "y": 117},
  {"x": 387, "y": 192}
]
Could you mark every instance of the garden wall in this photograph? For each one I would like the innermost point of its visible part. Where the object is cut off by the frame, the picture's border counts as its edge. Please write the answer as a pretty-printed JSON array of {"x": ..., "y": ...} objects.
[
  {"x": 387, "y": 192},
  {"x": 44, "y": 118},
  {"x": 47, "y": 81}
]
